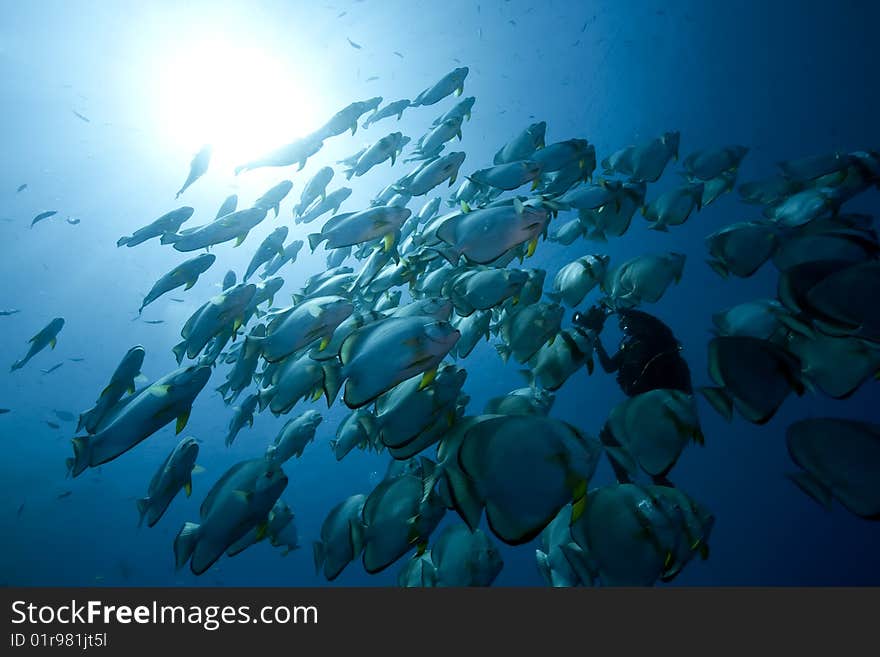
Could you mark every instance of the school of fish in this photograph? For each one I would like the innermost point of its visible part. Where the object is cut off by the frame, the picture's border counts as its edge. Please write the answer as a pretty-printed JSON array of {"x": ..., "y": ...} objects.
[{"x": 408, "y": 293}]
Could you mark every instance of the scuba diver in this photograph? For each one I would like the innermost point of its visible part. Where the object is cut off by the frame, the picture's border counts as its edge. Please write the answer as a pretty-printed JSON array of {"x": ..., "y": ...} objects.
[{"x": 649, "y": 358}]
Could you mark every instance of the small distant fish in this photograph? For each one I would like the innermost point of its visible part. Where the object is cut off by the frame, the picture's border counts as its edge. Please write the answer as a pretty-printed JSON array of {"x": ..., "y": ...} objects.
[
  {"x": 76, "y": 360},
  {"x": 154, "y": 321},
  {"x": 353, "y": 44},
  {"x": 8, "y": 312},
  {"x": 584, "y": 28},
  {"x": 66, "y": 493},
  {"x": 72, "y": 222},
  {"x": 456, "y": 60},
  {"x": 342, "y": 14},
  {"x": 21, "y": 188},
  {"x": 64, "y": 416},
  {"x": 20, "y": 510},
  {"x": 398, "y": 54},
  {"x": 52, "y": 369},
  {"x": 197, "y": 168},
  {"x": 512, "y": 22},
  {"x": 53, "y": 425},
  {"x": 43, "y": 215},
  {"x": 80, "y": 116},
  {"x": 372, "y": 77},
  {"x": 176, "y": 299},
  {"x": 125, "y": 570},
  {"x": 4, "y": 411}
]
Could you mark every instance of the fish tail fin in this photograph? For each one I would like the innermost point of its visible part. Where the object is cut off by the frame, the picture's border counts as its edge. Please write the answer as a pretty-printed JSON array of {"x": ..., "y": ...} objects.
[
  {"x": 223, "y": 390},
  {"x": 358, "y": 535},
  {"x": 179, "y": 351},
  {"x": 265, "y": 396},
  {"x": 720, "y": 401},
  {"x": 812, "y": 487},
  {"x": 529, "y": 377},
  {"x": 318, "y": 555},
  {"x": 143, "y": 504},
  {"x": 369, "y": 423},
  {"x": 503, "y": 351},
  {"x": 239, "y": 169},
  {"x": 185, "y": 542},
  {"x": 432, "y": 474},
  {"x": 314, "y": 240},
  {"x": 332, "y": 383},
  {"x": 122, "y": 241},
  {"x": 718, "y": 267},
  {"x": 451, "y": 255},
  {"x": 82, "y": 453}
]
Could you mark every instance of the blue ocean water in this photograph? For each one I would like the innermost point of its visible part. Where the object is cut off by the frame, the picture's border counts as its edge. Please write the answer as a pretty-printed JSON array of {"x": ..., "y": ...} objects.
[{"x": 785, "y": 79}]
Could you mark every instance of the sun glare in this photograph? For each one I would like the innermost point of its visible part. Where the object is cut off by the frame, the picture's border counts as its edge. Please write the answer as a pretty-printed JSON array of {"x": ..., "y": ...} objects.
[{"x": 240, "y": 99}]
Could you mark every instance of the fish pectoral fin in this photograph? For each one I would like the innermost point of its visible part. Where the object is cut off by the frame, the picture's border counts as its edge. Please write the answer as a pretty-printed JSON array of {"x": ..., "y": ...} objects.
[
  {"x": 240, "y": 239},
  {"x": 578, "y": 508},
  {"x": 427, "y": 378},
  {"x": 182, "y": 419},
  {"x": 533, "y": 244},
  {"x": 243, "y": 495},
  {"x": 188, "y": 488},
  {"x": 53, "y": 342},
  {"x": 160, "y": 390}
]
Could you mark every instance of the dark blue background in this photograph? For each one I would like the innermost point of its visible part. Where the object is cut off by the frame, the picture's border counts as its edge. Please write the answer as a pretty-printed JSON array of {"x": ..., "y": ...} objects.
[{"x": 787, "y": 79}]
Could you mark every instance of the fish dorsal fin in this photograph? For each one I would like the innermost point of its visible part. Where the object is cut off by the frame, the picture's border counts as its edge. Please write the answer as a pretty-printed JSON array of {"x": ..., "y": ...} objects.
[
  {"x": 359, "y": 336},
  {"x": 335, "y": 220},
  {"x": 187, "y": 327},
  {"x": 211, "y": 497}
]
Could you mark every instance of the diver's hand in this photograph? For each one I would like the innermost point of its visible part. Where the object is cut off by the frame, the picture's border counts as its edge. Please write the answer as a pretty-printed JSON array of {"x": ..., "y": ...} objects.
[{"x": 592, "y": 320}]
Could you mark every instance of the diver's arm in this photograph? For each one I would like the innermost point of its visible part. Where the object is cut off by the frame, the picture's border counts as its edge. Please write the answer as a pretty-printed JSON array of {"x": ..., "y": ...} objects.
[{"x": 608, "y": 363}]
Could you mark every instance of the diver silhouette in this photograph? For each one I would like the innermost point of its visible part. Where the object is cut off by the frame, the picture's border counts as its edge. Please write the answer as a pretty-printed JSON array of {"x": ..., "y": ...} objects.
[{"x": 648, "y": 358}]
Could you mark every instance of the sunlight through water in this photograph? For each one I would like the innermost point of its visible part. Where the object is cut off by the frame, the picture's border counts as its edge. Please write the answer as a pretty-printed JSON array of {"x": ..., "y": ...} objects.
[{"x": 239, "y": 98}]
